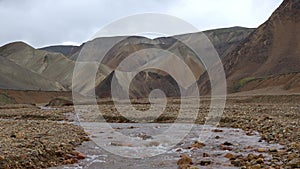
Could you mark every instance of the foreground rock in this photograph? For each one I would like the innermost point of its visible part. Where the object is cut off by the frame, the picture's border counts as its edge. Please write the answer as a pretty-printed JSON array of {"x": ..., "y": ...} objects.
[
  {"x": 276, "y": 123},
  {"x": 30, "y": 139},
  {"x": 59, "y": 102},
  {"x": 39, "y": 138},
  {"x": 185, "y": 162}
]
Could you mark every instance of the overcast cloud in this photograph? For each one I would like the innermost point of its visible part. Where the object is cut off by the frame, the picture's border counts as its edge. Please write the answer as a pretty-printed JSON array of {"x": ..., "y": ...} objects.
[{"x": 48, "y": 22}]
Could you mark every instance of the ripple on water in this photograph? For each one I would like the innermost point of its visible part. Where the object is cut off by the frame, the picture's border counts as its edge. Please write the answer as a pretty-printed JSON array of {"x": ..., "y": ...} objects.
[{"x": 97, "y": 157}]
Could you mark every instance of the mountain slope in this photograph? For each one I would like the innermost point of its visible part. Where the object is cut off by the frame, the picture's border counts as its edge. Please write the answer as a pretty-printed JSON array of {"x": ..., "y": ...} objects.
[
  {"x": 65, "y": 50},
  {"x": 223, "y": 39},
  {"x": 274, "y": 84},
  {"x": 14, "y": 76},
  {"x": 272, "y": 49},
  {"x": 53, "y": 66},
  {"x": 50, "y": 63},
  {"x": 140, "y": 87}
]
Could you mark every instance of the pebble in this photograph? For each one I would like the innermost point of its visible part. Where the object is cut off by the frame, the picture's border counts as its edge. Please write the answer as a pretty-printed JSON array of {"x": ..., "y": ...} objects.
[
  {"x": 257, "y": 166},
  {"x": 261, "y": 150},
  {"x": 217, "y": 130},
  {"x": 217, "y": 137},
  {"x": 273, "y": 150},
  {"x": 154, "y": 144},
  {"x": 295, "y": 163},
  {"x": 205, "y": 155},
  {"x": 184, "y": 160},
  {"x": 229, "y": 156},
  {"x": 121, "y": 144},
  {"x": 197, "y": 145},
  {"x": 226, "y": 148},
  {"x": 205, "y": 162},
  {"x": 80, "y": 156},
  {"x": 250, "y": 157},
  {"x": 227, "y": 144},
  {"x": 259, "y": 161},
  {"x": 236, "y": 163}
]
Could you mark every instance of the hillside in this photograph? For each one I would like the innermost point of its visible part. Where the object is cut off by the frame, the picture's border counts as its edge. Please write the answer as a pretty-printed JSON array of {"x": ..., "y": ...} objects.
[
  {"x": 52, "y": 66},
  {"x": 65, "y": 50},
  {"x": 224, "y": 40},
  {"x": 56, "y": 63},
  {"x": 14, "y": 76},
  {"x": 275, "y": 84},
  {"x": 272, "y": 49}
]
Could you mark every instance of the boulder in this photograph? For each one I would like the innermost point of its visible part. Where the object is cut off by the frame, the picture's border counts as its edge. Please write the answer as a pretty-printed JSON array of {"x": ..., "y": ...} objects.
[{"x": 58, "y": 102}]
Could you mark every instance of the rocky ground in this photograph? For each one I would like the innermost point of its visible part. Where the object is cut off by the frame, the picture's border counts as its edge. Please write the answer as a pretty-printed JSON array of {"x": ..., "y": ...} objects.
[
  {"x": 277, "y": 120},
  {"x": 276, "y": 123},
  {"x": 34, "y": 138}
]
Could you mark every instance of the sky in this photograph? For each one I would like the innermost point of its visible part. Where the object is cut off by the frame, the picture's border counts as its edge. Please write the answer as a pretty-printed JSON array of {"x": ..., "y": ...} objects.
[{"x": 72, "y": 22}]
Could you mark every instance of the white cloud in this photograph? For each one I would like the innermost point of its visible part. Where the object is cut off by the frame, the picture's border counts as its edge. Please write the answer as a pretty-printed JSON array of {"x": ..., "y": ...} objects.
[
  {"x": 206, "y": 14},
  {"x": 47, "y": 22}
]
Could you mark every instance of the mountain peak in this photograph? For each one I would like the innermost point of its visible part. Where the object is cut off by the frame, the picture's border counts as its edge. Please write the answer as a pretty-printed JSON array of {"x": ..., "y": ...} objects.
[
  {"x": 17, "y": 44},
  {"x": 289, "y": 8},
  {"x": 14, "y": 47}
]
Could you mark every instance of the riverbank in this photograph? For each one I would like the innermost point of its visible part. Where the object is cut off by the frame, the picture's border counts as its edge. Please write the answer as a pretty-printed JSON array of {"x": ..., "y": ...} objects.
[
  {"x": 34, "y": 138},
  {"x": 31, "y": 137}
]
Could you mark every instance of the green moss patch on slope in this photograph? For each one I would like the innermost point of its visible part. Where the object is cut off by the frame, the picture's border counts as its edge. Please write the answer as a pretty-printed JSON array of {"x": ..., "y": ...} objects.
[{"x": 5, "y": 99}]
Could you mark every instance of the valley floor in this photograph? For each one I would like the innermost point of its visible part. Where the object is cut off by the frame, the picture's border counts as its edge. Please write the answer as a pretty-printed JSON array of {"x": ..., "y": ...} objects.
[{"x": 34, "y": 137}]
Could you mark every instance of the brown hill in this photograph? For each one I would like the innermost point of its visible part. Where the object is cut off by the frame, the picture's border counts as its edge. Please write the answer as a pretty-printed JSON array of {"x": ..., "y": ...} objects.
[
  {"x": 50, "y": 69},
  {"x": 67, "y": 50},
  {"x": 272, "y": 49},
  {"x": 140, "y": 87},
  {"x": 136, "y": 47},
  {"x": 223, "y": 40},
  {"x": 52, "y": 66},
  {"x": 14, "y": 76}
]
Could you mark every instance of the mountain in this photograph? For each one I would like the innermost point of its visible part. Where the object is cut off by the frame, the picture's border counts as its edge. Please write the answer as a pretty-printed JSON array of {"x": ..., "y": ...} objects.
[
  {"x": 67, "y": 50},
  {"x": 140, "y": 87},
  {"x": 52, "y": 66},
  {"x": 55, "y": 64},
  {"x": 224, "y": 40},
  {"x": 14, "y": 76},
  {"x": 147, "y": 53},
  {"x": 263, "y": 59},
  {"x": 272, "y": 49}
]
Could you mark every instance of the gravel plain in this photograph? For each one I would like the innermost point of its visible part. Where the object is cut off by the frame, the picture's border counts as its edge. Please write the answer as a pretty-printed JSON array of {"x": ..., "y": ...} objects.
[{"x": 31, "y": 137}]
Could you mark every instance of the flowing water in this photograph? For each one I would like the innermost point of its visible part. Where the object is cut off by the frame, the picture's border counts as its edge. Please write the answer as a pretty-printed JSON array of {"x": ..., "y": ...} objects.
[{"x": 115, "y": 152}]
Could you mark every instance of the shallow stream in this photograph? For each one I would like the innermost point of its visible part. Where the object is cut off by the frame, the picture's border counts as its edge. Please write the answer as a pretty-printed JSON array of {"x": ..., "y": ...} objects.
[{"x": 115, "y": 152}]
